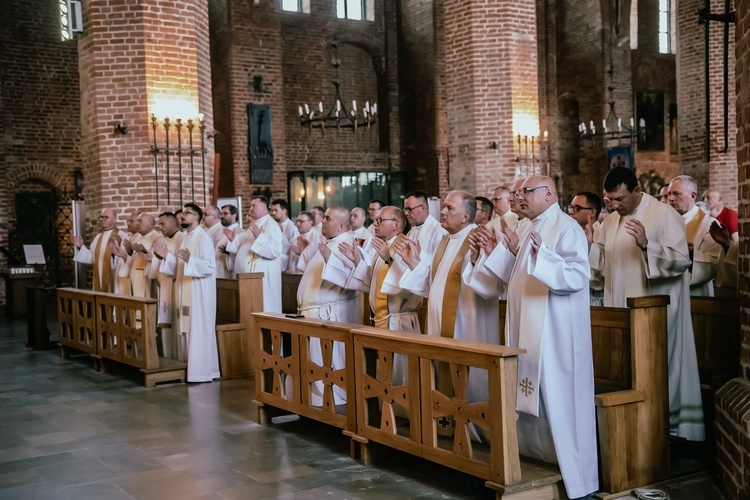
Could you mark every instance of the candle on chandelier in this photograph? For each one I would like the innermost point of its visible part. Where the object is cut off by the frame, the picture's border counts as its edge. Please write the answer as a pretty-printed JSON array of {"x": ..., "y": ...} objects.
[
  {"x": 632, "y": 123},
  {"x": 320, "y": 106},
  {"x": 604, "y": 125},
  {"x": 307, "y": 109},
  {"x": 374, "y": 108},
  {"x": 338, "y": 106},
  {"x": 300, "y": 110},
  {"x": 354, "y": 106},
  {"x": 619, "y": 124}
]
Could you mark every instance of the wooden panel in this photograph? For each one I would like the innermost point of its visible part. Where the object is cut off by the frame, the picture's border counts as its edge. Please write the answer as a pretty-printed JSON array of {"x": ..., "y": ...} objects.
[
  {"x": 717, "y": 334},
  {"x": 227, "y": 301},
  {"x": 77, "y": 320},
  {"x": 126, "y": 328},
  {"x": 289, "y": 286}
]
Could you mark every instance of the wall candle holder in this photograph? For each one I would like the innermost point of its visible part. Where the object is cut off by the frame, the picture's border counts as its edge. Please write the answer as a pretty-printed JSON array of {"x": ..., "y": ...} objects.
[{"x": 183, "y": 131}]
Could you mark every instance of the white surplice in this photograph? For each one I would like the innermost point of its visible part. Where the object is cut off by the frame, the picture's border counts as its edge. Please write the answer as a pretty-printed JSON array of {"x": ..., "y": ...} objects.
[
  {"x": 627, "y": 271},
  {"x": 705, "y": 254},
  {"x": 167, "y": 315},
  {"x": 104, "y": 258},
  {"x": 477, "y": 318},
  {"x": 548, "y": 315},
  {"x": 261, "y": 255},
  {"x": 403, "y": 306},
  {"x": 293, "y": 268},
  {"x": 290, "y": 232},
  {"x": 202, "y": 352},
  {"x": 125, "y": 266},
  {"x": 428, "y": 235},
  {"x": 322, "y": 295}
]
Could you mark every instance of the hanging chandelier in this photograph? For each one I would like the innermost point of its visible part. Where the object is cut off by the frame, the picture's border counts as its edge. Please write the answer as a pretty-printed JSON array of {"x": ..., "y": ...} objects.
[
  {"x": 613, "y": 129},
  {"x": 338, "y": 115}
]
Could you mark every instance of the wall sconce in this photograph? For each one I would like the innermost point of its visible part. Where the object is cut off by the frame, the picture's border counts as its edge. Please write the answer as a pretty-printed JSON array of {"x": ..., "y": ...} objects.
[{"x": 121, "y": 128}]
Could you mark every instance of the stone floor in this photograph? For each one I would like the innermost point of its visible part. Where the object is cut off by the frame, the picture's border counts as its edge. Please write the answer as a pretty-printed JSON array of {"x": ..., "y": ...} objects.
[{"x": 68, "y": 431}]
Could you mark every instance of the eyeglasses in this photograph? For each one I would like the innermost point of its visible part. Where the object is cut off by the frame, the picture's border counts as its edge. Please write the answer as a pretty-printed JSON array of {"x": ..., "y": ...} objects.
[
  {"x": 577, "y": 208},
  {"x": 303, "y": 221},
  {"x": 379, "y": 220},
  {"x": 409, "y": 210},
  {"x": 185, "y": 212},
  {"x": 526, "y": 191},
  {"x": 495, "y": 200}
]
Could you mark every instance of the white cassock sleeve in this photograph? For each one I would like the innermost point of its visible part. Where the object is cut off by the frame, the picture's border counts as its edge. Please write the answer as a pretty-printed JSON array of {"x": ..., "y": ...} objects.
[
  {"x": 564, "y": 269},
  {"x": 338, "y": 269},
  {"x": 705, "y": 260},
  {"x": 666, "y": 255},
  {"x": 393, "y": 278},
  {"x": 491, "y": 273},
  {"x": 84, "y": 256},
  {"x": 203, "y": 263},
  {"x": 360, "y": 278},
  {"x": 268, "y": 243},
  {"x": 417, "y": 280},
  {"x": 169, "y": 265}
]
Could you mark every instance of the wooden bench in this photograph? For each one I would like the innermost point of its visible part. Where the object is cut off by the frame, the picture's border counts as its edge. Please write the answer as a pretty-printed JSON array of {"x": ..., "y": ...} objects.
[
  {"x": 370, "y": 414},
  {"x": 236, "y": 300},
  {"x": 289, "y": 286},
  {"x": 716, "y": 326},
  {"x": 117, "y": 328}
]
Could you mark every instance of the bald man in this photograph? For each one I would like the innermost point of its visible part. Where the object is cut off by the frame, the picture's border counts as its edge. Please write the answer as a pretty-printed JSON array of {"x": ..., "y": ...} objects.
[
  {"x": 322, "y": 292},
  {"x": 358, "y": 229},
  {"x": 548, "y": 316},
  {"x": 144, "y": 278},
  {"x": 100, "y": 254}
]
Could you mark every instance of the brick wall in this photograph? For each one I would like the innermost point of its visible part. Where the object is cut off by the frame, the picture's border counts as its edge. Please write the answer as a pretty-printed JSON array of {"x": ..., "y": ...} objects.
[
  {"x": 291, "y": 52},
  {"x": 135, "y": 60},
  {"x": 732, "y": 409},
  {"x": 719, "y": 173},
  {"x": 39, "y": 105}
]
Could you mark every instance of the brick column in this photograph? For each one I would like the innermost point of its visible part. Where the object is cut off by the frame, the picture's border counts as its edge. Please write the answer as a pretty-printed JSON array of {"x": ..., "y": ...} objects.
[
  {"x": 137, "y": 59},
  {"x": 491, "y": 88},
  {"x": 732, "y": 408},
  {"x": 719, "y": 173}
]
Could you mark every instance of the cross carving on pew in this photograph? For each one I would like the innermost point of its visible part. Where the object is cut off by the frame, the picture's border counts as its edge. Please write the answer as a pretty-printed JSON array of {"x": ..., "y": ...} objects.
[
  {"x": 444, "y": 422},
  {"x": 527, "y": 387}
]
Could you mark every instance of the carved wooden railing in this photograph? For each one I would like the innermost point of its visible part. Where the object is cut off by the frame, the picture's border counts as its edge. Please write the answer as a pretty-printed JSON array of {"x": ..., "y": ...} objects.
[{"x": 76, "y": 319}]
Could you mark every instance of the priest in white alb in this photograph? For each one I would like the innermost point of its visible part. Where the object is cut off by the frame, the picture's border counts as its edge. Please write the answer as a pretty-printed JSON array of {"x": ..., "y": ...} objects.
[
  {"x": 548, "y": 316},
  {"x": 453, "y": 309},
  {"x": 167, "y": 319},
  {"x": 259, "y": 251},
  {"x": 642, "y": 250},
  {"x": 100, "y": 254},
  {"x": 391, "y": 307},
  {"x": 280, "y": 213},
  {"x": 322, "y": 293},
  {"x": 704, "y": 251},
  {"x": 425, "y": 230},
  {"x": 194, "y": 265}
]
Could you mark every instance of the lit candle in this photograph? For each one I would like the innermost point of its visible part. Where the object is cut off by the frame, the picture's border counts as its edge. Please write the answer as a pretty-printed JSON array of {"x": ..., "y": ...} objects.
[
  {"x": 591, "y": 126},
  {"x": 374, "y": 108},
  {"x": 338, "y": 106},
  {"x": 320, "y": 106},
  {"x": 367, "y": 106},
  {"x": 632, "y": 123},
  {"x": 201, "y": 116},
  {"x": 619, "y": 124},
  {"x": 354, "y": 106},
  {"x": 300, "y": 110},
  {"x": 307, "y": 109},
  {"x": 604, "y": 125}
]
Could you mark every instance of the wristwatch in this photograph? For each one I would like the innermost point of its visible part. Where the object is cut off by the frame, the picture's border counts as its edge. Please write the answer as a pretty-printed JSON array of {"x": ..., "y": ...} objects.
[{"x": 388, "y": 261}]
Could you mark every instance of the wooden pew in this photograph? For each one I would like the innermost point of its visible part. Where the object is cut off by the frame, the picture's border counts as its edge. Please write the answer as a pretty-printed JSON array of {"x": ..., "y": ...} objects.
[
  {"x": 716, "y": 326},
  {"x": 369, "y": 413},
  {"x": 632, "y": 401},
  {"x": 236, "y": 300},
  {"x": 114, "y": 327},
  {"x": 289, "y": 286}
]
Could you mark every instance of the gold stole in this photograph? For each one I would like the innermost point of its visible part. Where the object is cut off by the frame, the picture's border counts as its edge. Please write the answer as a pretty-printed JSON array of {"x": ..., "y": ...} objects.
[
  {"x": 450, "y": 301},
  {"x": 186, "y": 282},
  {"x": 106, "y": 261},
  {"x": 691, "y": 228},
  {"x": 147, "y": 241},
  {"x": 380, "y": 311}
]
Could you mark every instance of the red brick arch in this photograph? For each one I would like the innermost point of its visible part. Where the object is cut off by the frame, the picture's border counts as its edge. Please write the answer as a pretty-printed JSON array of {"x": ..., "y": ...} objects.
[{"x": 52, "y": 177}]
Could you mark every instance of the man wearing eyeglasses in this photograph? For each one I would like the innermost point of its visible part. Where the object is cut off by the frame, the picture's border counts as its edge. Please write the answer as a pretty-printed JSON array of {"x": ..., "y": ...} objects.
[
  {"x": 322, "y": 293},
  {"x": 453, "y": 309},
  {"x": 501, "y": 202},
  {"x": 305, "y": 222},
  {"x": 425, "y": 229},
  {"x": 259, "y": 251},
  {"x": 100, "y": 254},
  {"x": 585, "y": 209},
  {"x": 280, "y": 213},
  {"x": 194, "y": 266},
  {"x": 642, "y": 250},
  {"x": 548, "y": 315},
  {"x": 484, "y": 210}
]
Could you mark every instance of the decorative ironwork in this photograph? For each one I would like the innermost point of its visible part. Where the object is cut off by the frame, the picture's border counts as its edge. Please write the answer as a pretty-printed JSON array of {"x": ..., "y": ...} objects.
[
  {"x": 179, "y": 152},
  {"x": 338, "y": 115},
  {"x": 533, "y": 156}
]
